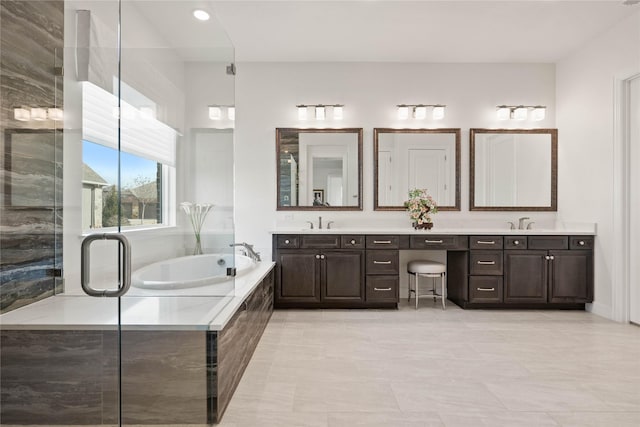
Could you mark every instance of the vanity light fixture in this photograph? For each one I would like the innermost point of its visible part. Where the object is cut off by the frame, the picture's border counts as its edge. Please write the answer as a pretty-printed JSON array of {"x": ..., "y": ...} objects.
[
  {"x": 419, "y": 111},
  {"x": 21, "y": 114},
  {"x": 201, "y": 15},
  {"x": 216, "y": 112},
  {"x": 520, "y": 112},
  {"x": 320, "y": 111}
]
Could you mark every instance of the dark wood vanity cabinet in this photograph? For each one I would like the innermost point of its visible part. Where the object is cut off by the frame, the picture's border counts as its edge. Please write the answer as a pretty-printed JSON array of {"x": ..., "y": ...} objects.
[
  {"x": 351, "y": 271},
  {"x": 555, "y": 270}
]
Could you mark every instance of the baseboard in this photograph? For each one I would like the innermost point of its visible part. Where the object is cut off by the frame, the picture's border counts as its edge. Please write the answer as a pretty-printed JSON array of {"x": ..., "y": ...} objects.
[{"x": 601, "y": 310}]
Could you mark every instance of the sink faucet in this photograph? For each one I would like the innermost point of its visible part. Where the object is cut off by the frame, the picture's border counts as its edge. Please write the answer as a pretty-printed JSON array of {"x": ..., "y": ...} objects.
[
  {"x": 512, "y": 226},
  {"x": 329, "y": 225},
  {"x": 248, "y": 250},
  {"x": 320, "y": 223},
  {"x": 521, "y": 222},
  {"x": 310, "y": 225}
]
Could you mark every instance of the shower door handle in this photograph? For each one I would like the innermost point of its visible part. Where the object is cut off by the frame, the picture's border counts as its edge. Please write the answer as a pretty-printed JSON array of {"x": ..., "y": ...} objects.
[{"x": 85, "y": 262}]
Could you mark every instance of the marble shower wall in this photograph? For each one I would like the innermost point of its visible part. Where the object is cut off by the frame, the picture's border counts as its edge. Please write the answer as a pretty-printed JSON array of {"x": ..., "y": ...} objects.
[{"x": 31, "y": 45}]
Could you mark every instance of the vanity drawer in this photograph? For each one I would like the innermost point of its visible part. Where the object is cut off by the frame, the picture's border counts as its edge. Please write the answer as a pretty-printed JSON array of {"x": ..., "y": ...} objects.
[
  {"x": 382, "y": 262},
  {"x": 485, "y": 289},
  {"x": 439, "y": 242},
  {"x": 485, "y": 242},
  {"x": 349, "y": 242},
  {"x": 286, "y": 241},
  {"x": 485, "y": 263},
  {"x": 548, "y": 242},
  {"x": 515, "y": 242},
  {"x": 382, "y": 288},
  {"x": 383, "y": 242},
  {"x": 327, "y": 241},
  {"x": 581, "y": 242}
]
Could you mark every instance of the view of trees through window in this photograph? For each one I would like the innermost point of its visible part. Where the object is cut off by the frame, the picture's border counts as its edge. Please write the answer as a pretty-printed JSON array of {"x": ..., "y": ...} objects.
[{"x": 140, "y": 192}]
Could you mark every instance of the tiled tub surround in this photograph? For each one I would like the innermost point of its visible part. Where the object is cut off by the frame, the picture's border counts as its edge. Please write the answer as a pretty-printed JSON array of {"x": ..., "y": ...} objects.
[
  {"x": 486, "y": 268},
  {"x": 182, "y": 357}
]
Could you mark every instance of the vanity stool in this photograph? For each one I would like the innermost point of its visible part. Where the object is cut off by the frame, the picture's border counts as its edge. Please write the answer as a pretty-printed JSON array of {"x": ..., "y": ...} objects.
[{"x": 431, "y": 269}]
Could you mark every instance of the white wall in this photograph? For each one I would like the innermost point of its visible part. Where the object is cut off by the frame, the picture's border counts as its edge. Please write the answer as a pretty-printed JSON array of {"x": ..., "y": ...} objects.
[
  {"x": 267, "y": 93},
  {"x": 585, "y": 118}
]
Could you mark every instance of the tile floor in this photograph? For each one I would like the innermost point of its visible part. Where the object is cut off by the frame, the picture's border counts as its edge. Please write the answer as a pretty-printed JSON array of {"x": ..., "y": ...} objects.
[{"x": 440, "y": 368}]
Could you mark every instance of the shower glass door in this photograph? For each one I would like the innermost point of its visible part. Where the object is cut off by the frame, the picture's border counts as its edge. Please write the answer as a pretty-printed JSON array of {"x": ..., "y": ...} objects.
[{"x": 117, "y": 121}]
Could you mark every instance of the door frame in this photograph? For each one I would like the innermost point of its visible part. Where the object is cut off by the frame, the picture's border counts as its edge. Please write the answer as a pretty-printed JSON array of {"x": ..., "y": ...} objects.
[{"x": 621, "y": 197}]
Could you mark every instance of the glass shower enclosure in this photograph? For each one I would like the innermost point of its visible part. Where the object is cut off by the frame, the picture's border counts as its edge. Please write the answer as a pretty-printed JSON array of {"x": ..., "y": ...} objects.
[{"x": 116, "y": 212}]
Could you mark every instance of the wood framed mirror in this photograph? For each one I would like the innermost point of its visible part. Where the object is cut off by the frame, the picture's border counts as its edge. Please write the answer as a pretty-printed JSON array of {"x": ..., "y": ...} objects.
[
  {"x": 319, "y": 169},
  {"x": 416, "y": 158},
  {"x": 513, "y": 170}
]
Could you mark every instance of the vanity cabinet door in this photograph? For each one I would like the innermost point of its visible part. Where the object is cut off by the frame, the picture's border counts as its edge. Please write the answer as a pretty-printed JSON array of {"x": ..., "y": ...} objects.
[
  {"x": 299, "y": 272},
  {"x": 571, "y": 276},
  {"x": 525, "y": 276},
  {"x": 342, "y": 275}
]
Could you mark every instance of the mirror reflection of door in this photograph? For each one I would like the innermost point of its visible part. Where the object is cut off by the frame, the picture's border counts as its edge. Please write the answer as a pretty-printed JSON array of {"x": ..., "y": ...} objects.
[{"x": 416, "y": 158}]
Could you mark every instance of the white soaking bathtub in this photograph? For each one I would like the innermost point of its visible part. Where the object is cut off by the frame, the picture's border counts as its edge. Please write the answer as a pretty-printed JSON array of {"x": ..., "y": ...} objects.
[{"x": 190, "y": 271}]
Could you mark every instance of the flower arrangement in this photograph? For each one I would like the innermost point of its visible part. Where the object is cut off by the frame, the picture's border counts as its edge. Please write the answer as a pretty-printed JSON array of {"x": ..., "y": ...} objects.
[
  {"x": 197, "y": 213},
  {"x": 420, "y": 207}
]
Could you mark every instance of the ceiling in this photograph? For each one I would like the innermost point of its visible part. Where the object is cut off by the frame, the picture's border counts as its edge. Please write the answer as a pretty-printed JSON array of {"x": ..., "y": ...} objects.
[{"x": 387, "y": 30}]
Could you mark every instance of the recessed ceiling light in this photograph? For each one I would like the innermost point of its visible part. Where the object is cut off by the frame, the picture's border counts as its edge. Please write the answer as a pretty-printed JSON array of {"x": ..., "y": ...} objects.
[{"x": 201, "y": 15}]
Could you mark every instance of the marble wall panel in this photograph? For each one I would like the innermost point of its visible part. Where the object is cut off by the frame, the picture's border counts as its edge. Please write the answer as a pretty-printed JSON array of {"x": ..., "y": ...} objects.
[{"x": 31, "y": 41}]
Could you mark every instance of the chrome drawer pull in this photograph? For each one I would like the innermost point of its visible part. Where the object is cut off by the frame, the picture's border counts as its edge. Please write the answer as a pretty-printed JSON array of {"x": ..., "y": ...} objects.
[
  {"x": 286, "y": 242},
  {"x": 486, "y": 262},
  {"x": 382, "y": 262},
  {"x": 353, "y": 242},
  {"x": 381, "y": 289},
  {"x": 486, "y": 289},
  {"x": 382, "y": 242},
  {"x": 433, "y": 241},
  {"x": 486, "y": 242},
  {"x": 516, "y": 242},
  {"x": 581, "y": 242}
]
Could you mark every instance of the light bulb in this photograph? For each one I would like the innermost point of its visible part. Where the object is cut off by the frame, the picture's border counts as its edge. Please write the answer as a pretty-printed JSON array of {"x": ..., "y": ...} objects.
[
  {"x": 55, "y": 113},
  {"x": 21, "y": 114},
  {"x": 231, "y": 113},
  {"x": 302, "y": 112},
  {"x": 403, "y": 112},
  {"x": 438, "y": 112},
  {"x": 538, "y": 113},
  {"x": 215, "y": 113},
  {"x": 520, "y": 113},
  {"x": 320, "y": 112},
  {"x": 503, "y": 113},
  {"x": 337, "y": 112},
  {"x": 38, "y": 113},
  {"x": 419, "y": 112}
]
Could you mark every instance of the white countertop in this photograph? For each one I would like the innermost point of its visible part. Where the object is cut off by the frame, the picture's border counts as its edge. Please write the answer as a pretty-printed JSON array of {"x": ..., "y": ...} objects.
[
  {"x": 187, "y": 309},
  {"x": 574, "y": 231}
]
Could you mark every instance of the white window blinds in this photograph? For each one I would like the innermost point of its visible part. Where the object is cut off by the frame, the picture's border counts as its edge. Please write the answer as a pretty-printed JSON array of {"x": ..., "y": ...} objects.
[{"x": 141, "y": 134}]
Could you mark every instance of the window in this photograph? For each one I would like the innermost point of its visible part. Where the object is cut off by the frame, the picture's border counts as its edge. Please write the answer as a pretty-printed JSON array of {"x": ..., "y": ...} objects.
[
  {"x": 141, "y": 193},
  {"x": 146, "y": 156}
]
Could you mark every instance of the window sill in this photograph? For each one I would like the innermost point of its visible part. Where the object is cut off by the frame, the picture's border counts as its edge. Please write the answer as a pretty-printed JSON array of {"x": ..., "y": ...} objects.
[{"x": 131, "y": 230}]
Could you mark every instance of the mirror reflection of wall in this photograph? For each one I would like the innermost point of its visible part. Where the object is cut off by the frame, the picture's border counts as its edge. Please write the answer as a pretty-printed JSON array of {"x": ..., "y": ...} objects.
[
  {"x": 513, "y": 169},
  {"x": 416, "y": 158},
  {"x": 319, "y": 168}
]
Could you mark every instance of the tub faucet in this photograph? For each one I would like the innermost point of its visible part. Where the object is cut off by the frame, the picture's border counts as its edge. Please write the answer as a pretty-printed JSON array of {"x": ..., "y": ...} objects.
[
  {"x": 248, "y": 250},
  {"x": 521, "y": 222}
]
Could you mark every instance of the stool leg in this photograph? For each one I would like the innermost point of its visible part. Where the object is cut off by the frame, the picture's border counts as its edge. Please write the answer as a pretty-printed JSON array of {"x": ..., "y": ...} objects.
[
  {"x": 433, "y": 288},
  {"x": 409, "y": 289},
  {"x": 444, "y": 291},
  {"x": 416, "y": 290}
]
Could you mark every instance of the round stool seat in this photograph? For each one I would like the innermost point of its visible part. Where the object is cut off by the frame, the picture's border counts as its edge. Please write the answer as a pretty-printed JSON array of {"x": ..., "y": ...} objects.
[{"x": 426, "y": 267}]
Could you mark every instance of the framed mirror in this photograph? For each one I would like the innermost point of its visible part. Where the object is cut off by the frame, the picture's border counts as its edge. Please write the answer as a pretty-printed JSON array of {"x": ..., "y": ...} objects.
[
  {"x": 319, "y": 169},
  {"x": 513, "y": 170},
  {"x": 416, "y": 158}
]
